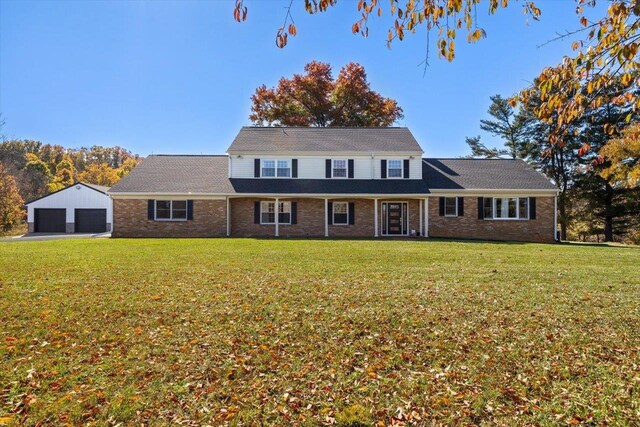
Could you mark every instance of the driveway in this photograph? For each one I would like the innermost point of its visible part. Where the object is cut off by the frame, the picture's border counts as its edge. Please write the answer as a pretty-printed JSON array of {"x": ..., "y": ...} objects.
[{"x": 53, "y": 236}]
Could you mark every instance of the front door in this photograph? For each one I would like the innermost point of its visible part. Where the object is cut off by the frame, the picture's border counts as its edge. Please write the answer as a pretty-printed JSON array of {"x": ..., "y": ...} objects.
[{"x": 394, "y": 218}]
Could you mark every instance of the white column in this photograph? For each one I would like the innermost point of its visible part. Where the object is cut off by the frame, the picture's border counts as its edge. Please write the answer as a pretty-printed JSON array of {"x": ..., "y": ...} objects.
[
  {"x": 326, "y": 217},
  {"x": 228, "y": 218},
  {"x": 375, "y": 217},
  {"x": 421, "y": 225},
  {"x": 277, "y": 209},
  {"x": 426, "y": 217},
  {"x": 555, "y": 218}
]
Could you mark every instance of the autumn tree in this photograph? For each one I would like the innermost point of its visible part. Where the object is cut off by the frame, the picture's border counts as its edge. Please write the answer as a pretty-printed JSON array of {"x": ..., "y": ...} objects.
[
  {"x": 316, "y": 99},
  {"x": 622, "y": 155},
  {"x": 65, "y": 175},
  {"x": 34, "y": 178},
  {"x": 11, "y": 212},
  {"x": 99, "y": 174}
]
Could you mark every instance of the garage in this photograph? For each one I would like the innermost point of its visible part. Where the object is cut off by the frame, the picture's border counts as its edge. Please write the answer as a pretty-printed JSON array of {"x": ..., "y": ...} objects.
[
  {"x": 79, "y": 208},
  {"x": 50, "y": 220},
  {"x": 91, "y": 220}
]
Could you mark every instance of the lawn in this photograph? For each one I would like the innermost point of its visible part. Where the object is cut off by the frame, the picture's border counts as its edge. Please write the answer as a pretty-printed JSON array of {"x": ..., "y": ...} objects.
[{"x": 315, "y": 332}]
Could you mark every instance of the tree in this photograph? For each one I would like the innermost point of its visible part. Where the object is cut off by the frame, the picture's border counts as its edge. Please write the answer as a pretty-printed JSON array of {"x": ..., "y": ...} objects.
[
  {"x": 65, "y": 175},
  {"x": 11, "y": 202},
  {"x": 507, "y": 124},
  {"x": 315, "y": 99},
  {"x": 99, "y": 174},
  {"x": 127, "y": 166},
  {"x": 623, "y": 157},
  {"x": 34, "y": 178}
]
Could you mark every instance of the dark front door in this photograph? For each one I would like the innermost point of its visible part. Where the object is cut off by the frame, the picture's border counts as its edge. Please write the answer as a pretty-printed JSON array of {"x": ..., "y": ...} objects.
[
  {"x": 50, "y": 220},
  {"x": 91, "y": 220},
  {"x": 394, "y": 217}
]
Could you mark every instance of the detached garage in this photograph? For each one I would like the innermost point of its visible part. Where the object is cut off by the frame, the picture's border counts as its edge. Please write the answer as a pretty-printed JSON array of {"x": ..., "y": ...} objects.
[{"x": 79, "y": 208}]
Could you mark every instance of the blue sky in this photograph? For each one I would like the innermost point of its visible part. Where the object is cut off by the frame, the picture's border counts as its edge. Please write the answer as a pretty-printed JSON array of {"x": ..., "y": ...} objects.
[{"x": 176, "y": 76}]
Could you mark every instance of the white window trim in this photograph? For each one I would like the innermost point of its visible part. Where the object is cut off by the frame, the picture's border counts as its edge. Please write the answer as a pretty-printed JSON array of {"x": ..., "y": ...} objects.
[
  {"x": 333, "y": 214},
  {"x": 171, "y": 218},
  {"x": 276, "y": 212},
  {"x": 401, "y": 168},
  {"x": 445, "y": 207},
  {"x": 346, "y": 169},
  {"x": 289, "y": 161},
  {"x": 517, "y": 218}
]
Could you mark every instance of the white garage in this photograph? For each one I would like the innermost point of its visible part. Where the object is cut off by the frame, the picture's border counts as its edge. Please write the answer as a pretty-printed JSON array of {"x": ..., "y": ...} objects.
[{"x": 78, "y": 208}]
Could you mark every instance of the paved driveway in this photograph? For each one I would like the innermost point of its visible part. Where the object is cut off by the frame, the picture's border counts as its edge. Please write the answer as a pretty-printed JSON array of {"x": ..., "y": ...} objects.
[{"x": 53, "y": 236}]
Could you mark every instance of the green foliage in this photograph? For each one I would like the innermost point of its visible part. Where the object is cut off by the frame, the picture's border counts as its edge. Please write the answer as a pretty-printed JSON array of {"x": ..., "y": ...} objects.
[
  {"x": 290, "y": 332},
  {"x": 353, "y": 416}
]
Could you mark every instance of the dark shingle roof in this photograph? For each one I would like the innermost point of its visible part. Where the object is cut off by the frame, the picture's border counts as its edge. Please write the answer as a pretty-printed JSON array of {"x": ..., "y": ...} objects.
[
  {"x": 482, "y": 174},
  {"x": 171, "y": 174},
  {"x": 328, "y": 186},
  {"x": 310, "y": 139},
  {"x": 177, "y": 174}
]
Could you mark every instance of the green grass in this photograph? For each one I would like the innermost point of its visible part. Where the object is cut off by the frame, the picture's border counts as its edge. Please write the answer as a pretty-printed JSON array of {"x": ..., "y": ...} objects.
[{"x": 306, "y": 332}]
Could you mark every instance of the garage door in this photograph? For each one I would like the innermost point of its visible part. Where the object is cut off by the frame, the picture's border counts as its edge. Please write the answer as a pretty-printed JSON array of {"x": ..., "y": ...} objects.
[
  {"x": 91, "y": 220},
  {"x": 50, "y": 220}
]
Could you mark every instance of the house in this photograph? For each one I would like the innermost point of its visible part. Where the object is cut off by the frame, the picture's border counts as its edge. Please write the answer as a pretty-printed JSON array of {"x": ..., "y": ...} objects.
[
  {"x": 78, "y": 208},
  {"x": 333, "y": 182}
]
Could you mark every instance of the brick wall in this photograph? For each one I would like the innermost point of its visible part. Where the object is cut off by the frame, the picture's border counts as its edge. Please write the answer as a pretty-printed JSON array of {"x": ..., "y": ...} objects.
[
  {"x": 130, "y": 220},
  {"x": 470, "y": 227}
]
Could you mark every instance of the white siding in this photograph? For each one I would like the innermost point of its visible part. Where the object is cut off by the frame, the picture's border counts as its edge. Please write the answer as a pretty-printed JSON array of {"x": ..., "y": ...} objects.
[
  {"x": 313, "y": 167},
  {"x": 73, "y": 198}
]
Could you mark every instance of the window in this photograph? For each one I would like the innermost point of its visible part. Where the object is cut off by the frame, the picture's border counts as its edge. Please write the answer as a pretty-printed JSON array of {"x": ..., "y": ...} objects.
[
  {"x": 269, "y": 168},
  {"x": 506, "y": 208},
  {"x": 339, "y": 169},
  {"x": 394, "y": 169},
  {"x": 268, "y": 215},
  {"x": 171, "y": 210},
  {"x": 450, "y": 206},
  {"x": 276, "y": 169},
  {"x": 284, "y": 169},
  {"x": 340, "y": 213}
]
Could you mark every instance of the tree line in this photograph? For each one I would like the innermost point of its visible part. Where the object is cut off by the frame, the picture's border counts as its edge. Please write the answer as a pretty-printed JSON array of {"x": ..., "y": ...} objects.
[
  {"x": 599, "y": 186},
  {"x": 30, "y": 169}
]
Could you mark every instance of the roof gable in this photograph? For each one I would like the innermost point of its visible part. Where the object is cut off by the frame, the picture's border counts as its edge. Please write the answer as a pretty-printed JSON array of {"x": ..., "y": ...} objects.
[
  {"x": 99, "y": 188},
  {"x": 329, "y": 139}
]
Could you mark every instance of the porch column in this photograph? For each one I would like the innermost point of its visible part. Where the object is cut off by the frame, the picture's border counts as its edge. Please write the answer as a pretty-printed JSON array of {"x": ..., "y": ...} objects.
[
  {"x": 426, "y": 217},
  {"x": 555, "y": 219},
  {"x": 228, "y": 218},
  {"x": 375, "y": 217},
  {"x": 421, "y": 224},
  {"x": 326, "y": 217},
  {"x": 277, "y": 209}
]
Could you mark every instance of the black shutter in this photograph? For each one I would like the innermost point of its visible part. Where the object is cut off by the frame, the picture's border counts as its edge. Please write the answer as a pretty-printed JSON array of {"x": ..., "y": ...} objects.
[
  {"x": 256, "y": 168},
  {"x": 383, "y": 168},
  {"x": 441, "y": 206},
  {"x": 352, "y": 213},
  {"x": 256, "y": 213},
  {"x": 480, "y": 207},
  {"x": 294, "y": 212},
  {"x": 294, "y": 168},
  {"x": 330, "y": 212},
  {"x": 460, "y": 206},
  {"x": 327, "y": 168},
  {"x": 189, "y": 210},
  {"x": 350, "y": 168},
  {"x": 406, "y": 169},
  {"x": 532, "y": 208},
  {"x": 151, "y": 209}
]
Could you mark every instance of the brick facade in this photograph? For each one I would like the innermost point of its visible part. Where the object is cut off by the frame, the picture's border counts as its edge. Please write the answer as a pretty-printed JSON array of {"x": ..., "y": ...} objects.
[
  {"x": 130, "y": 220},
  {"x": 470, "y": 227}
]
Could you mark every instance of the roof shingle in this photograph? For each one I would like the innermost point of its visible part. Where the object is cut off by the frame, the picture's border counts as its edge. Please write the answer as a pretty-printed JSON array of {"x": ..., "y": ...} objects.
[{"x": 310, "y": 139}]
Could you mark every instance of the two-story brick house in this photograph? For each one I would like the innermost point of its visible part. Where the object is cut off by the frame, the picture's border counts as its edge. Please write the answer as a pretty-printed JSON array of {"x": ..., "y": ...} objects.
[{"x": 332, "y": 182}]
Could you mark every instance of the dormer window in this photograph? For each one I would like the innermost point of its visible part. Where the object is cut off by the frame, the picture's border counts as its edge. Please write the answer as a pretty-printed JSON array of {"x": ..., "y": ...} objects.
[
  {"x": 339, "y": 169},
  {"x": 394, "y": 169},
  {"x": 276, "y": 168}
]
